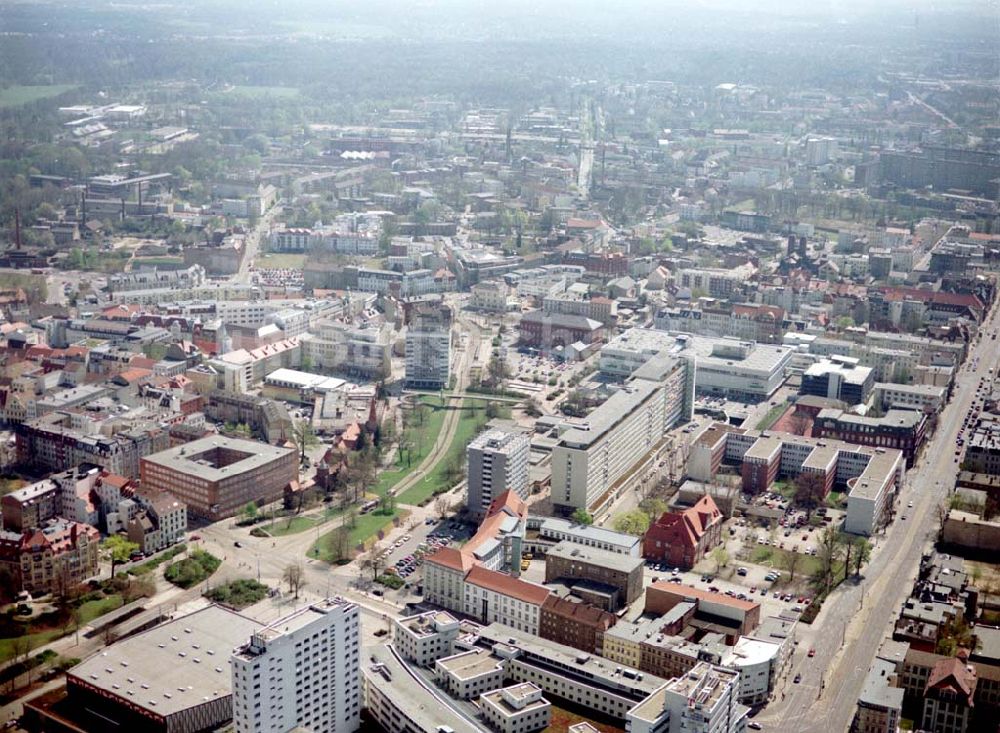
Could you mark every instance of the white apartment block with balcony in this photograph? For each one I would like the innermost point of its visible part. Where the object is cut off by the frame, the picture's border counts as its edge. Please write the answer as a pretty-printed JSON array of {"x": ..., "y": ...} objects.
[{"x": 300, "y": 672}]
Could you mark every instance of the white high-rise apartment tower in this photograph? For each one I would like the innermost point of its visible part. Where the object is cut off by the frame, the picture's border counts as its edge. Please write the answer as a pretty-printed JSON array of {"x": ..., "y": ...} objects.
[
  {"x": 300, "y": 671},
  {"x": 498, "y": 461}
]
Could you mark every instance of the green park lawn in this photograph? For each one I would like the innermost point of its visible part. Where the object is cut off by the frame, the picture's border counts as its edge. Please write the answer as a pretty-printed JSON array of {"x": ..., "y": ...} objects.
[
  {"x": 281, "y": 261},
  {"x": 772, "y": 416},
  {"x": 365, "y": 527},
  {"x": 95, "y": 609},
  {"x": 89, "y": 611},
  {"x": 283, "y": 526},
  {"x": 15, "y": 96}
]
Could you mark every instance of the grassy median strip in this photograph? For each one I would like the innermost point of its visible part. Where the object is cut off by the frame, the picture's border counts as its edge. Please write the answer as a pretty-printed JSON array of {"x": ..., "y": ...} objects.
[
  {"x": 420, "y": 438},
  {"x": 449, "y": 466}
]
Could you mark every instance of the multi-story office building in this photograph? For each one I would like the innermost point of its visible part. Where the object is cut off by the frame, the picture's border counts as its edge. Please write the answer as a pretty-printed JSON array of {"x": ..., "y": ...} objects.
[
  {"x": 840, "y": 378},
  {"x": 747, "y": 321},
  {"x": 724, "y": 366},
  {"x": 759, "y": 663},
  {"x": 620, "y": 575},
  {"x": 364, "y": 352},
  {"x": 873, "y": 476},
  {"x": 716, "y": 282},
  {"x": 704, "y": 699},
  {"x": 428, "y": 348},
  {"x": 302, "y": 671},
  {"x": 901, "y": 429},
  {"x": 495, "y": 546},
  {"x": 217, "y": 476},
  {"x": 540, "y": 330},
  {"x": 242, "y": 369},
  {"x": 565, "y": 672},
  {"x": 498, "y": 462},
  {"x": 597, "y": 308},
  {"x": 592, "y": 457},
  {"x": 491, "y": 296},
  {"x": 941, "y": 167},
  {"x": 193, "y": 276},
  {"x": 554, "y": 529},
  {"x": 926, "y": 397},
  {"x": 494, "y": 597},
  {"x": 579, "y": 625}
]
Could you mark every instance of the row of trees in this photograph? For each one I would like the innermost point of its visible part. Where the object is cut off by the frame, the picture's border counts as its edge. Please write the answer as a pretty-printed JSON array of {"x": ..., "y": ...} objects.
[{"x": 836, "y": 552}]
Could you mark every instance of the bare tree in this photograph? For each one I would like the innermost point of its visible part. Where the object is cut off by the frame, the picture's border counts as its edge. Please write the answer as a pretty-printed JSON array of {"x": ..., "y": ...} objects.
[
  {"x": 373, "y": 561},
  {"x": 862, "y": 553},
  {"x": 339, "y": 544},
  {"x": 22, "y": 648},
  {"x": 798, "y": 424},
  {"x": 441, "y": 506},
  {"x": 942, "y": 510},
  {"x": 294, "y": 575},
  {"x": 810, "y": 490},
  {"x": 829, "y": 554},
  {"x": 791, "y": 562}
]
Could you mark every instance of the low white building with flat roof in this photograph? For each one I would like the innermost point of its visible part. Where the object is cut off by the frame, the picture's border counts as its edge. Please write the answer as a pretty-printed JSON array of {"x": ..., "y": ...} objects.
[
  {"x": 469, "y": 674},
  {"x": 725, "y": 366},
  {"x": 588, "y": 535},
  {"x": 425, "y": 638},
  {"x": 926, "y": 397},
  {"x": 758, "y": 663},
  {"x": 516, "y": 709},
  {"x": 703, "y": 699},
  {"x": 399, "y": 699}
]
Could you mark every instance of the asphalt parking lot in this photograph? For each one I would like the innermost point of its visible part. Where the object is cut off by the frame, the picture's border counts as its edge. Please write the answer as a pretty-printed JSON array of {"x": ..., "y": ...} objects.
[{"x": 404, "y": 556}]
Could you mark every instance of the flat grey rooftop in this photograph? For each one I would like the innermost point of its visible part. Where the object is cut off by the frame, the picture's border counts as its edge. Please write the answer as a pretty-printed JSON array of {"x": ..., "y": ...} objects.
[
  {"x": 185, "y": 457},
  {"x": 595, "y": 556},
  {"x": 171, "y": 667},
  {"x": 427, "y": 708}
]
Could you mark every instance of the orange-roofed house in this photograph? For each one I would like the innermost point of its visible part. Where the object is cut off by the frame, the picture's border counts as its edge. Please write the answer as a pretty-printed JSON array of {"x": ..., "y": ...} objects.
[
  {"x": 682, "y": 538},
  {"x": 494, "y": 597}
]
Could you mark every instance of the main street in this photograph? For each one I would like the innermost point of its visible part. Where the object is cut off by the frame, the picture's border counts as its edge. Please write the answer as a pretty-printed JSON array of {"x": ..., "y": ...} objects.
[{"x": 856, "y": 619}]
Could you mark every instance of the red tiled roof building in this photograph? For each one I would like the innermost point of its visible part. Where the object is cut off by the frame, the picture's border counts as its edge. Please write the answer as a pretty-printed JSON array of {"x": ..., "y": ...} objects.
[{"x": 682, "y": 538}]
